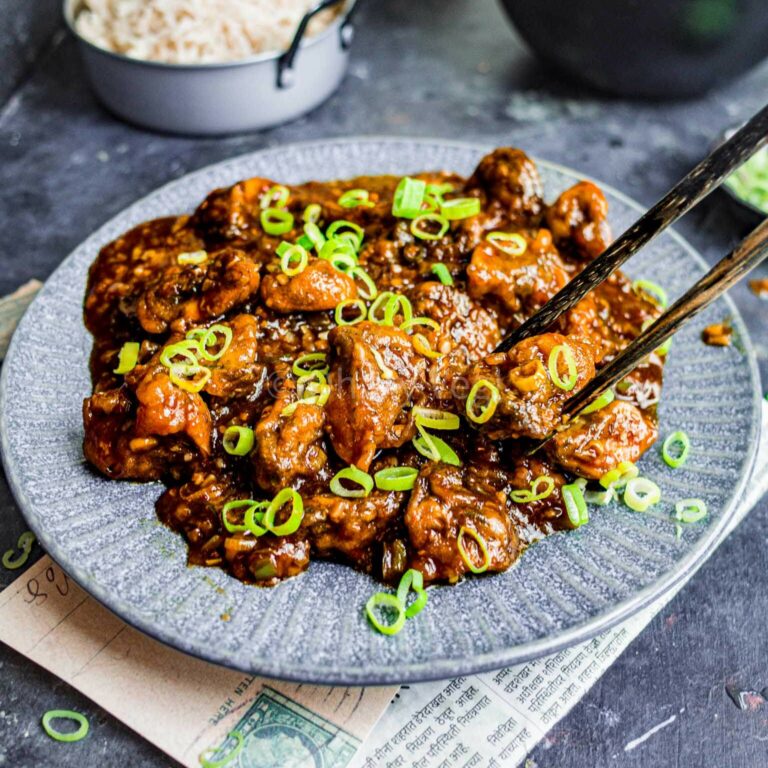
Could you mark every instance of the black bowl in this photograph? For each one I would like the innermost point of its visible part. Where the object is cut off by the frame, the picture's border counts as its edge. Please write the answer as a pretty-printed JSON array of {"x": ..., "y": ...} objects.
[{"x": 653, "y": 48}]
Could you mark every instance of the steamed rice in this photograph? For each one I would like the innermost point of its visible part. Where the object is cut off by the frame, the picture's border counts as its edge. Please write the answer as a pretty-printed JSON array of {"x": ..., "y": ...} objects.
[{"x": 195, "y": 31}]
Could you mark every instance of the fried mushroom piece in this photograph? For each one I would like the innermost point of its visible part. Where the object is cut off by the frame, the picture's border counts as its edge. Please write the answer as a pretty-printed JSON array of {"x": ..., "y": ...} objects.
[
  {"x": 439, "y": 507},
  {"x": 531, "y": 403},
  {"x": 318, "y": 287},
  {"x": 597, "y": 443},
  {"x": 579, "y": 221},
  {"x": 289, "y": 450},
  {"x": 510, "y": 180},
  {"x": 374, "y": 373},
  {"x": 197, "y": 293}
]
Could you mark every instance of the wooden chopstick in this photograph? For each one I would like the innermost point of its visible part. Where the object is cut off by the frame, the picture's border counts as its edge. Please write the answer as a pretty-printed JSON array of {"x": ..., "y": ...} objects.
[
  {"x": 705, "y": 177},
  {"x": 747, "y": 255}
]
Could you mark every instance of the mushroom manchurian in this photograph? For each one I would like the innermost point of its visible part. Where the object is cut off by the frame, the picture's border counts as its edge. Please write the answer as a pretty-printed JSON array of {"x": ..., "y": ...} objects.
[{"x": 364, "y": 347}]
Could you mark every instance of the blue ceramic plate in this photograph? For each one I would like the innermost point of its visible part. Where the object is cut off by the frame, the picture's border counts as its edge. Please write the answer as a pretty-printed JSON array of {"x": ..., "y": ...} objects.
[{"x": 312, "y": 628}]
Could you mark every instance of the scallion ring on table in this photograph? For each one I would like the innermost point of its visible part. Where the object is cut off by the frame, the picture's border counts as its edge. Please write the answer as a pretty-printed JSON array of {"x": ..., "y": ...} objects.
[
  {"x": 297, "y": 254},
  {"x": 433, "y": 448},
  {"x": 408, "y": 198},
  {"x": 237, "y": 440},
  {"x": 354, "y": 198},
  {"x": 432, "y": 418},
  {"x": 338, "y": 313},
  {"x": 690, "y": 510},
  {"x": 292, "y": 523},
  {"x": 353, "y": 475},
  {"x": 566, "y": 353},
  {"x": 315, "y": 235},
  {"x": 480, "y": 541},
  {"x": 603, "y": 399},
  {"x": 619, "y": 477},
  {"x": 65, "y": 714},
  {"x": 210, "y": 757},
  {"x": 526, "y": 496},
  {"x": 640, "y": 493},
  {"x": 127, "y": 357},
  {"x": 276, "y": 196},
  {"x": 423, "y": 226},
  {"x": 675, "y": 449},
  {"x": 460, "y": 208},
  {"x": 344, "y": 229},
  {"x": 11, "y": 561},
  {"x": 211, "y": 341},
  {"x": 654, "y": 290},
  {"x": 396, "y": 478},
  {"x": 192, "y": 258},
  {"x": 390, "y": 602},
  {"x": 190, "y": 377},
  {"x": 276, "y": 221},
  {"x": 309, "y": 363},
  {"x": 492, "y": 397},
  {"x": 412, "y": 580},
  {"x": 441, "y": 272},
  {"x": 600, "y": 498},
  {"x": 511, "y": 243},
  {"x": 312, "y": 213},
  {"x": 371, "y": 291},
  {"x": 575, "y": 505}
]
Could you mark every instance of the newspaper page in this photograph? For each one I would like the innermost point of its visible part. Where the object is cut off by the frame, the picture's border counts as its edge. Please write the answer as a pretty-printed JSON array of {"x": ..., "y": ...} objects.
[{"x": 495, "y": 719}]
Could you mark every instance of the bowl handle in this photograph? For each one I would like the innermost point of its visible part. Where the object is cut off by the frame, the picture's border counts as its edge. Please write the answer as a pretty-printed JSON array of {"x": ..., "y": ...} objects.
[{"x": 285, "y": 72}]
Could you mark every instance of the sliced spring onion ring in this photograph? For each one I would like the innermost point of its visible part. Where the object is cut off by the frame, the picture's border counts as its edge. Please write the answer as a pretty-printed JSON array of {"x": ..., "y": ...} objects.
[
  {"x": 390, "y": 602},
  {"x": 353, "y": 198},
  {"x": 408, "y": 197},
  {"x": 216, "y": 757},
  {"x": 619, "y": 477},
  {"x": 189, "y": 377},
  {"x": 600, "y": 498},
  {"x": 412, "y": 580},
  {"x": 371, "y": 291},
  {"x": 312, "y": 213},
  {"x": 460, "y": 208},
  {"x": 344, "y": 229},
  {"x": 438, "y": 190},
  {"x": 420, "y": 226},
  {"x": 396, "y": 305},
  {"x": 294, "y": 253},
  {"x": 486, "y": 411},
  {"x": 425, "y": 321},
  {"x": 432, "y": 418},
  {"x": 386, "y": 372},
  {"x": 563, "y": 351},
  {"x": 480, "y": 541},
  {"x": 575, "y": 505},
  {"x": 422, "y": 346},
  {"x": 276, "y": 196},
  {"x": 435, "y": 449},
  {"x": 127, "y": 357},
  {"x": 192, "y": 257},
  {"x": 237, "y": 440},
  {"x": 236, "y": 504},
  {"x": 341, "y": 254},
  {"x": 675, "y": 449},
  {"x": 254, "y": 516},
  {"x": 338, "y": 313},
  {"x": 11, "y": 561},
  {"x": 188, "y": 349},
  {"x": 655, "y": 291},
  {"x": 315, "y": 235},
  {"x": 210, "y": 340},
  {"x": 353, "y": 475},
  {"x": 311, "y": 389},
  {"x": 442, "y": 274},
  {"x": 640, "y": 493},
  {"x": 605, "y": 398},
  {"x": 396, "y": 478},
  {"x": 305, "y": 242},
  {"x": 291, "y": 525},
  {"x": 690, "y": 510},
  {"x": 534, "y": 494},
  {"x": 309, "y": 363},
  {"x": 276, "y": 221},
  {"x": 509, "y": 242},
  {"x": 65, "y": 714}
]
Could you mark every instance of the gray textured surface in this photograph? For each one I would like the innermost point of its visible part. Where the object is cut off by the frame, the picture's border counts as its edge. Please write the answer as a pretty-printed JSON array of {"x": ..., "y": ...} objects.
[
  {"x": 450, "y": 69},
  {"x": 563, "y": 590}
]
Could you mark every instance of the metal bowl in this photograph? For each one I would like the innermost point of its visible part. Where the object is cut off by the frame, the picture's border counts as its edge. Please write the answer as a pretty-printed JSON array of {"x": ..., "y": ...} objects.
[{"x": 231, "y": 97}]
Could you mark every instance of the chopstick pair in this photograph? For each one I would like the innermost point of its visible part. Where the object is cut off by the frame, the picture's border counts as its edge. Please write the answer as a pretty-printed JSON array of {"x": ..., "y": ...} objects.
[{"x": 687, "y": 193}]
